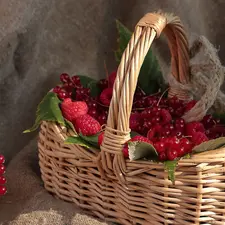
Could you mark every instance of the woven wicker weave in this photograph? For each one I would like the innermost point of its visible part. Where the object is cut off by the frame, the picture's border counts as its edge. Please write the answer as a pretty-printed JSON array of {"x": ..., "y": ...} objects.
[{"x": 135, "y": 192}]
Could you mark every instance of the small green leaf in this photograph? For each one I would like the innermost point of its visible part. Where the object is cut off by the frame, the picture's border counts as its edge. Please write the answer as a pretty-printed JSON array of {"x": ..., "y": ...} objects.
[
  {"x": 91, "y": 83},
  {"x": 93, "y": 140},
  {"x": 150, "y": 78},
  {"x": 170, "y": 167},
  {"x": 133, "y": 134},
  {"x": 209, "y": 145},
  {"x": 140, "y": 150},
  {"x": 48, "y": 110},
  {"x": 78, "y": 141},
  {"x": 69, "y": 125}
]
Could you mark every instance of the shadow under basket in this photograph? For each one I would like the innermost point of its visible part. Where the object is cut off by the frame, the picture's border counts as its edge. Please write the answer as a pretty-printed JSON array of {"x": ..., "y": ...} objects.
[{"x": 135, "y": 192}]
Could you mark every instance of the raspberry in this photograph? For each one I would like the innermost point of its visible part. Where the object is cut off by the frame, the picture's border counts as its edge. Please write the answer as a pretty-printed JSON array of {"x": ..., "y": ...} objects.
[
  {"x": 193, "y": 127},
  {"x": 72, "y": 110},
  {"x": 186, "y": 145},
  {"x": 141, "y": 139},
  {"x": 87, "y": 125},
  {"x": 190, "y": 105},
  {"x": 100, "y": 138},
  {"x": 112, "y": 78},
  {"x": 106, "y": 96},
  {"x": 160, "y": 146},
  {"x": 198, "y": 138}
]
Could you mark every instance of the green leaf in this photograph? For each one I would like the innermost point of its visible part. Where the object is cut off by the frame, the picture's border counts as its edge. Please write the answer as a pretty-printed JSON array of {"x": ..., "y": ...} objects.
[
  {"x": 209, "y": 145},
  {"x": 48, "y": 110},
  {"x": 69, "y": 125},
  {"x": 93, "y": 140},
  {"x": 170, "y": 167},
  {"x": 140, "y": 150},
  {"x": 91, "y": 83},
  {"x": 78, "y": 141},
  {"x": 133, "y": 134},
  {"x": 150, "y": 78}
]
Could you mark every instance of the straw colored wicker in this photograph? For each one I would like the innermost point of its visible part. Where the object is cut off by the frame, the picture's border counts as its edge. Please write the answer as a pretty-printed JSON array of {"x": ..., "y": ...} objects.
[{"x": 135, "y": 192}]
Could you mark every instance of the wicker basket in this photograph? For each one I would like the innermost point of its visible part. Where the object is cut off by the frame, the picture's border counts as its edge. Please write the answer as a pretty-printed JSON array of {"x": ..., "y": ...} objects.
[{"x": 135, "y": 192}]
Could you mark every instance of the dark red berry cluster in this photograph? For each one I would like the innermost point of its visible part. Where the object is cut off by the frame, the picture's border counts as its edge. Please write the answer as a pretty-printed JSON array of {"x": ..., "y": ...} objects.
[
  {"x": 160, "y": 120},
  {"x": 2, "y": 178}
]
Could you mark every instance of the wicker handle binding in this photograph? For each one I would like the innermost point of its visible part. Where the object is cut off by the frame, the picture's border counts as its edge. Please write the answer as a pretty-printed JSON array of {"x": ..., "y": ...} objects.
[{"x": 117, "y": 130}]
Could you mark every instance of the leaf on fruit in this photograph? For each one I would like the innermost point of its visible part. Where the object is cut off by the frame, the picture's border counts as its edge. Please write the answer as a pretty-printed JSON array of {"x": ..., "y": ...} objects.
[
  {"x": 91, "y": 83},
  {"x": 93, "y": 140},
  {"x": 209, "y": 145},
  {"x": 134, "y": 133},
  {"x": 170, "y": 167},
  {"x": 141, "y": 150},
  {"x": 48, "y": 110},
  {"x": 69, "y": 125},
  {"x": 150, "y": 78}
]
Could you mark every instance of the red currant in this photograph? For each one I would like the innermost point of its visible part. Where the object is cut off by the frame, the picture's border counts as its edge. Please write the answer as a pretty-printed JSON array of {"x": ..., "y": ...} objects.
[
  {"x": 2, "y": 159},
  {"x": 172, "y": 154},
  {"x": 2, "y": 180},
  {"x": 3, "y": 190},
  {"x": 2, "y": 169},
  {"x": 93, "y": 112},
  {"x": 103, "y": 84},
  {"x": 57, "y": 89},
  {"x": 76, "y": 81},
  {"x": 162, "y": 156},
  {"x": 64, "y": 77},
  {"x": 63, "y": 95}
]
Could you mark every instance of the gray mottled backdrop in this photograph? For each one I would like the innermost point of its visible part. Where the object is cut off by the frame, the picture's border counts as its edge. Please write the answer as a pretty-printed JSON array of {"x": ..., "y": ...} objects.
[{"x": 39, "y": 39}]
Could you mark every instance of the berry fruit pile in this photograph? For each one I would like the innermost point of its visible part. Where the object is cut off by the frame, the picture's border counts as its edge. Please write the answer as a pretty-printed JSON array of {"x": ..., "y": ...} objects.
[
  {"x": 2, "y": 178},
  {"x": 156, "y": 119}
]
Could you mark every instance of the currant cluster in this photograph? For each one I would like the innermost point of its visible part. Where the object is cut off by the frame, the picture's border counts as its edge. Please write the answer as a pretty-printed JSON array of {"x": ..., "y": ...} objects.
[
  {"x": 72, "y": 88},
  {"x": 160, "y": 120},
  {"x": 2, "y": 178}
]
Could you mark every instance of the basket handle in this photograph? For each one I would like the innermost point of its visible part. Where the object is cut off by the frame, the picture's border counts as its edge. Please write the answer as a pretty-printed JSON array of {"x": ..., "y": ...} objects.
[{"x": 117, "y": 131}]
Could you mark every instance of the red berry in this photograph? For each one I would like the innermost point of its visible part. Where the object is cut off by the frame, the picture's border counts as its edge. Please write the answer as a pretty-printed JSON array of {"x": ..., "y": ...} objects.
[
  {"x": 160, "y": 146},
  {"x": 126, "y": 151},
  {"x": 100, "y": 138},
  {"x": 140, "y": 103},
  {"x": 3, "y": 190},
  {"x": 162, "y": 156},
  {"x": 2, "y": 159},
  {"x": 64, "y": 77},
  {"x": 57, "y": 89},
  {"x": 154, "y": 133},
  {"x": 193, "y": 127},
  {"x": 112, "y": 78},
  {"x": 68, "y": 87},
  {"x": 198, "y": 138},
  {"x": 190, "y": 105},
  {"x": 156, "y": 120},
  {"x": 2, "y": 169},
  {"x": 92, "y": 105},
  {"x": 172, "y": 154},
  {"x": 103, "y": 84},
  {"x": 2, "y": 180},
  {"x": 87, "y": 125},
  {"x": 72, "y": 110},
  {"x": 93, "y": 113},
  {"x": 140, "y": 138},
  {"x": 63, "y": 95},
  {"x": 135, "y": 120},
  {"x": 106, "y": 96},
  {"x": 76, "y": 81},
  {"x": 186, "y": 145},
  {"x": 102, "y": 119},
  {"x": 151, "y": 101},
  {"x": 208, "y": 121},
  {"x": 166, "y": 117}
]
